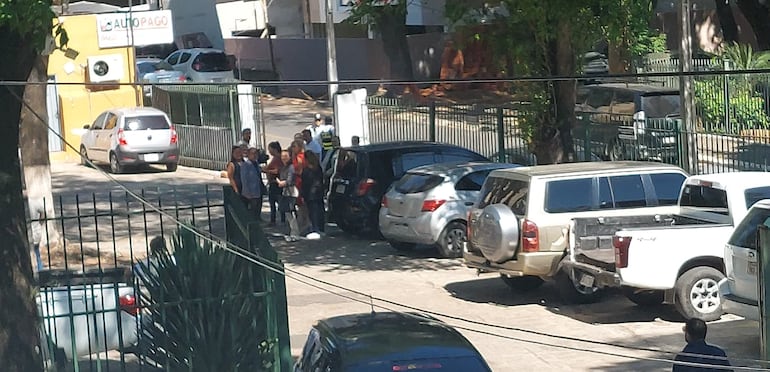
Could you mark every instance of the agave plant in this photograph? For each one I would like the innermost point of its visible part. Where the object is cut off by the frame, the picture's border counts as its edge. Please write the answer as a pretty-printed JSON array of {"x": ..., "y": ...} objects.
[{"x": 204, "y": 309}]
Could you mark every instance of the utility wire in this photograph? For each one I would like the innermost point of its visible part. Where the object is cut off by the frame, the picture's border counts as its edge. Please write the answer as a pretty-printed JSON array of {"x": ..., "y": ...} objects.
[{"x": 307, "y": 280}]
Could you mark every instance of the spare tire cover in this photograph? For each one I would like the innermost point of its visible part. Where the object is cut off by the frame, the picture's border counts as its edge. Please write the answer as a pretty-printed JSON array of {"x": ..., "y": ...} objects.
[{"x": 496, "y": 233}]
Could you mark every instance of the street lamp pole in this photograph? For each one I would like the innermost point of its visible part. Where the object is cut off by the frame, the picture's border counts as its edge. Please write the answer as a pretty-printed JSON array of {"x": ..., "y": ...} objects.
[
  {"x": 331, "y": 49},
  {"x": 687, "y": 110}
]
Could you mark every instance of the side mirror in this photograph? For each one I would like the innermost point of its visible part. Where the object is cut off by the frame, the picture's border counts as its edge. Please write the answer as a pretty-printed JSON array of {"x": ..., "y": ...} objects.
[{"x": 86, "y": 126}]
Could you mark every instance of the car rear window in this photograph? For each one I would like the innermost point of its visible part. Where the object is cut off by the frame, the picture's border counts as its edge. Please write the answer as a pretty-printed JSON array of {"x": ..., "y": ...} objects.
[
  {"x": 745, "y": 235},
  {"x": 155, "y": 122},
  {"x": 661, "y": 105},
  {"x": 412, "y": 183},
  {"x": 574, "y": 195},
  {"x": 211, "y": 62},
  {"x": 705, "y": 197},
  {"x": 347, "y": 164},
  {"x": 512, "y": 193},
  {"x": 756, "y": 194},
  {"x": 145, "y": 67}
]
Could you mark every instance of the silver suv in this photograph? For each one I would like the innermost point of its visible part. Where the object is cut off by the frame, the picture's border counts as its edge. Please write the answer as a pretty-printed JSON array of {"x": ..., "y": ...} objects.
[
  {"x": 130, "y": 136},
  {"x": 520, "y": 225},
  {"x": 204, "y": 65}
]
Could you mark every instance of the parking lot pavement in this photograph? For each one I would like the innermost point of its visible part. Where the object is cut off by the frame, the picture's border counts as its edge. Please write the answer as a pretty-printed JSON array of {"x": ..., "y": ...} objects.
[{"x": 421, "y": 280}]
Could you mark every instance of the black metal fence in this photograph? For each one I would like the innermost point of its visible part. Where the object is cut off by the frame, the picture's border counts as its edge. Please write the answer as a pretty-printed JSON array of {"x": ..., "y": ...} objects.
[{"x": 96, "y": 313}]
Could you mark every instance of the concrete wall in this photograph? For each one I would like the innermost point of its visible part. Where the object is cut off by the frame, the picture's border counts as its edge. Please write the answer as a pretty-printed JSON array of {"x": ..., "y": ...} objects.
[
  {"x": 287, "y": 17},
  {"x": 80, "y": 103}
]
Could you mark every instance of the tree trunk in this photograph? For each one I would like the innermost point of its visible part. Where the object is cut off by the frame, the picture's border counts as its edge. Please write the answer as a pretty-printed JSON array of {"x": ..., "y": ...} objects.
[
  {"x": 618, "y": 57},
  {"x": 391, "y": 25},
  {"x": 727, "y": 21},
  {"x": 35, "y": 160},
  {"x": 554, "y": 142},
  {"x": 18, "y": 319},
  {"x": 758, "y": 16}
]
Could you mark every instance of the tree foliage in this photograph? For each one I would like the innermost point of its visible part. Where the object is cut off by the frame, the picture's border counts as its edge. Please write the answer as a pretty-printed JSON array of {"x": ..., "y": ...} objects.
[{"x": 30, "y": 19}]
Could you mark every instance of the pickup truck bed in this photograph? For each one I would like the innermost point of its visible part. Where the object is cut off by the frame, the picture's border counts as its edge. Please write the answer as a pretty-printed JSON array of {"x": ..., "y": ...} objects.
[{"x": 591, "y": 241}]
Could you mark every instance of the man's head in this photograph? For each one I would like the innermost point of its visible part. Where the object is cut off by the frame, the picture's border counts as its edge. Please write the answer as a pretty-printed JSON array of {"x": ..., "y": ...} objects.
[
  {"x": 246, "y": 135},
  {"x": 318, "y": 120},
  {"x": 355, "y": 140},
  {"x": 307, "y": 136},
  {"x": 335, "y": 142},
  {"x": 252, "y": 154},
  {"x": 694, "y": 330},
  {"x": 298, "y": 136}
]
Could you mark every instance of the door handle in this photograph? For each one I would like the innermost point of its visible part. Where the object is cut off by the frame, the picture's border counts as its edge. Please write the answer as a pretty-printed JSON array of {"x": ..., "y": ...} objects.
[
  {"x": 469, "y": 203},
  {"x": 752, "y": 255}
]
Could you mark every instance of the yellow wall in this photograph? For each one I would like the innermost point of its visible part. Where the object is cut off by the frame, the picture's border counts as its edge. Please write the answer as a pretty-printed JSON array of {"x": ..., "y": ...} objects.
[{"x": 80, "y": 105}]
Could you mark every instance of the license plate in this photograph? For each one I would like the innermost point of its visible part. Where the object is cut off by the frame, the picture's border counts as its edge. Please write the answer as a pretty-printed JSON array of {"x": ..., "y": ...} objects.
[
  {"x": 340, "y": 189},
  {"x": 151, "y": 157},
  {"x": 587, "y": 280},
  {"x": 752, "y": 268}
]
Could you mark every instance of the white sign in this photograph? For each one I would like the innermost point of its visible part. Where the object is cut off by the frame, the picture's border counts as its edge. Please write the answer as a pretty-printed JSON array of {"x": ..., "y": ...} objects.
[
  {"x": 350, "y": 113},
  {"x": 135, "y": 28}
]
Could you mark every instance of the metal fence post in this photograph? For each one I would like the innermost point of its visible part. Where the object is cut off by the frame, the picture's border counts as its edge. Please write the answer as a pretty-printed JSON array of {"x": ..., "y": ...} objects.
[
  {"x": 763, "y": 252},
  {"x": 232, "y": 98},
  {"x": 586, "y": 137},
  {"x": 432, "y": 121},
  {"x": 500, "y": 135}
]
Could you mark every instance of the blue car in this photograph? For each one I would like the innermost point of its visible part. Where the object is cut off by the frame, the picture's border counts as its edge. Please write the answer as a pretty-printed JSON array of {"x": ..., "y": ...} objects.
[{"x": 387, "y": 342}]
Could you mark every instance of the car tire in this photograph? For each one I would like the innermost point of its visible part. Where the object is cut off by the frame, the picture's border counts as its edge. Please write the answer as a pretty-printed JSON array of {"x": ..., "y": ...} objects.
[
  {"x": 644, "y": 298},
  {"x": 574, "y": 293},
  {"x": 84, "y": 156},
  {"x": 697, "y": 293},
  {"x": 525, "y": 283},
  {"x": 401, "y": 246},
  {"x": 115, "y": 166},
  {"x": 171, "y": 167},
  {"x": 450, "y": 241}
]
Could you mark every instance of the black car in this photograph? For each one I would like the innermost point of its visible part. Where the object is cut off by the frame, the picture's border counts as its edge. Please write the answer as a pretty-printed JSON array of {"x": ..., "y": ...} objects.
[
  {"x": 387, "y": 342},
  {"x": 364, "y": 174}
]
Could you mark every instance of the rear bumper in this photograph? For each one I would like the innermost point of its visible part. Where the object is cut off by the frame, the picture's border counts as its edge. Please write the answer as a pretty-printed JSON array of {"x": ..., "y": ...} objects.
[
  {"x": 602, "y": 278},
  {"x": 543, "y": 264},
  {"x": 132, "y": 157},
  {"x": 408, "y": 229},
  {"x": 736, "y": 305}
]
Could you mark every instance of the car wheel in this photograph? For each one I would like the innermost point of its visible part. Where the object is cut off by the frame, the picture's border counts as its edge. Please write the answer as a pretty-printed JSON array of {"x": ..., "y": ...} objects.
[
  {"x": 344, "y": 225},
  {"x": 450, "y": 242},
  {"x": 571, "y": 291},
  {"x": 697, "y": 293},
  {"x": 84, "y": 156},
  {"x": 522, "y": 283},
  {"x": 644, "y": 298},
  {"x": 171, "y": 167},
  {"x": 115, "y": 166},
  {"x": 401, "y": 246}
]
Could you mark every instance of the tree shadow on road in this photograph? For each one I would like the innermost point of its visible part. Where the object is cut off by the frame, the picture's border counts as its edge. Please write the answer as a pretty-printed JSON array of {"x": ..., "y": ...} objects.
[
  {"x": 339, "y": 251},
  {"x": 613, "y": 307}
]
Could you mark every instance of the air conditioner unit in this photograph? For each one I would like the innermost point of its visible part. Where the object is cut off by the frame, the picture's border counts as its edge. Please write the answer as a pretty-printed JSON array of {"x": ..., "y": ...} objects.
[{"x": 105, "y": 68}]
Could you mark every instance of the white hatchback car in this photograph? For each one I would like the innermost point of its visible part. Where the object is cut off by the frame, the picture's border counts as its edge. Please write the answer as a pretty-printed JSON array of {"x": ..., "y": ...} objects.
[
  {"x": 131, "y": 136},
  {"x": 203, "y": 65},
  {"x": 429, "y": 205},
  {"x": 739, "y": 288}
]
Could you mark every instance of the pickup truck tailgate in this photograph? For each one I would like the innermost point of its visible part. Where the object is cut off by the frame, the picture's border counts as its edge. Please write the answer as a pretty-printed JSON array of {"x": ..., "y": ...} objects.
[{"x": 591, "y": 238}]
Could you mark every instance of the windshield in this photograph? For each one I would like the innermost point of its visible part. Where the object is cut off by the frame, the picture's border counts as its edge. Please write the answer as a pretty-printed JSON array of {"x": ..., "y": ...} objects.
[
  {"x": 145, "y": 123},
  {"x": 413, "y": 183},
  {"x": 705, "y": 197},
  {"x": 661, "y": 105},
  {"x": 211, "y": 62}
]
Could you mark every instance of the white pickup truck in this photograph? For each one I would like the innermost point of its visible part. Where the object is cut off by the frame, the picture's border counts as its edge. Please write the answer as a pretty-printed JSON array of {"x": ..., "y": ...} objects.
[
  {"x": 675, "y": 258},
  {"x": 87, "y": 312}
]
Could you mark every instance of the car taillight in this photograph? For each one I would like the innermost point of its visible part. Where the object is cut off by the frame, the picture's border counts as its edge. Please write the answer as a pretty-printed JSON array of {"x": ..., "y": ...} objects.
[
  {"x": 182, "y": 78},
  {"x": 529, "y": 237},
  {"x": 621, "y": 244},
  {"x": 196, "y": 66},
  {"x": 122, "y": 138},
  {"x": 128, "y": 304},
  {"x": 384, "y": 202},
  {"x": 432, "y": 205},
  {"x": 173, "y": 135},
  {"x": 365, "y": 186}
]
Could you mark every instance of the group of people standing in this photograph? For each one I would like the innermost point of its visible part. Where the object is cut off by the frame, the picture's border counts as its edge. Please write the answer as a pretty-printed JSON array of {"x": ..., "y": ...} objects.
[{"x": 295, "y": 179}]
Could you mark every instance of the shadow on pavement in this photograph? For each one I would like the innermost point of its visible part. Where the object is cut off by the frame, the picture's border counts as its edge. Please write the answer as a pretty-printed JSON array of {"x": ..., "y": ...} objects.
[
  {"x": 339, "y": 251},
  {"x": 613, "y": 307}
]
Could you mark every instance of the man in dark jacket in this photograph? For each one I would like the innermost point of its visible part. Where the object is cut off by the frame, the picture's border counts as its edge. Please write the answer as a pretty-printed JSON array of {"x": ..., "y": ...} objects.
[{"x": 698, "y": 351}]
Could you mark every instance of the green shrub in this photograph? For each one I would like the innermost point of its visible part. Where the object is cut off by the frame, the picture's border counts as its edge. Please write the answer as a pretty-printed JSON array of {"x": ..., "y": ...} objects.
[
  {"x": 203, "y": 311},
  {"x": 746, "y": 108}
]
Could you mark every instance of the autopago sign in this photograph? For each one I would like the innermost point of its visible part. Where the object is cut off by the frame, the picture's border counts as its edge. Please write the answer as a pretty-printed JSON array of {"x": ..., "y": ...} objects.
[{"x": 116, "y": 30}]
